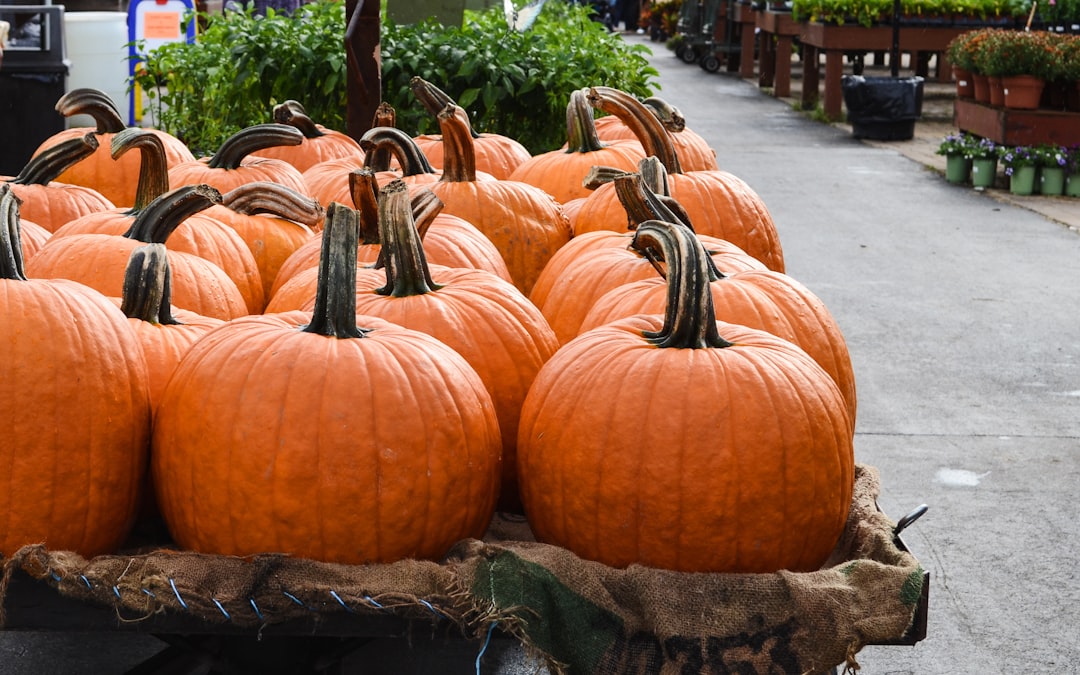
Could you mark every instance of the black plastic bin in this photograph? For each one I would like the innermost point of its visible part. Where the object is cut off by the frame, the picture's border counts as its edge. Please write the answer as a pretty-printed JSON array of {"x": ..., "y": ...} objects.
[
  {"x": 883, "y": 108},
  {"x": 33, "y": 76}
]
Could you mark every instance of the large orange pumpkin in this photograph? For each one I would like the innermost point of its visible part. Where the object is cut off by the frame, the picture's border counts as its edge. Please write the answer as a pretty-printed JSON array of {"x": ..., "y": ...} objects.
[
  {"x": 114, "y": 177},
  {"x": 695, "y": 153},
  {"x": 75, "y": 440},
  {"x": 235, "y": 162},
  {"x": 329, "y": 436},
  {"x": 319, "y": 144},
  {"x": 680, "y": 442}
]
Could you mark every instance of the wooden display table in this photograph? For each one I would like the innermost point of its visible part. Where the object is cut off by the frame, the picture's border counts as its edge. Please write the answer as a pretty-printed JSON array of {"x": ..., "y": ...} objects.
[
  {"x": 835, "y": 40},
  {"x": 775, "y": 58},
  {"x": 746, "y": 16},
  {"x": 1007, "y": 126}
]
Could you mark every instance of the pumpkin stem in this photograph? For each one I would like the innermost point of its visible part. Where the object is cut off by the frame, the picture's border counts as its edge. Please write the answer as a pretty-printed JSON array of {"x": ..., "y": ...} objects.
[
  {"x": 334, "y": 314},
  {"x": 600, "y": 175},
  {"x": 425, "y": 206},
  {"x": 364, "y": 189},
  {"x": 459, "y": 155},
  {"x": 97, "y": 104},
  {"x": 670, "y": 116},
  {"x": 157, "y": 221},
  {"x": 11, "y": 257},
  {"x": 147, "y": 279},
  {"x": 53, "y": 161},
  {"x": 153, "y": 166},
  {"x": 252, "y": 139},
  {"x": 380, "y": 143},
  {"x": 407, "y": 271},
  {"x": 385, "y": 115},
  {"x": 581, "y": 133},
  {"x": 655, "y": 176},
  {"x": 276, "y": 199},
  {"x": 434, "y": 99},
  {"x": 293, "y": 114},
  {"x": 648, "y": 129},
  {"x": 689, "y": 318}
]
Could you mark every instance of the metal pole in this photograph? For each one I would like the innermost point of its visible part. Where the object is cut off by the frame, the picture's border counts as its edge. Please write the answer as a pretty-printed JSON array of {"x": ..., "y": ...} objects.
[{"x": 894, "y": 57}]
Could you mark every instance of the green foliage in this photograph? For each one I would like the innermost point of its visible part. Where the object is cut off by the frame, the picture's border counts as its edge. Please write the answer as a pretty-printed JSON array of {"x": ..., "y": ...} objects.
[
  {"x": 242, "y": 65},
  {"x": 516, "y": 84},
  {"x": 870, "y": 12}
]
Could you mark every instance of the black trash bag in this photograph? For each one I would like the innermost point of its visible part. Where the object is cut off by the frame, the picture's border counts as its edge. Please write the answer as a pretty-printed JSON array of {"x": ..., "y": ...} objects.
[{"x": 883, "y": 108}]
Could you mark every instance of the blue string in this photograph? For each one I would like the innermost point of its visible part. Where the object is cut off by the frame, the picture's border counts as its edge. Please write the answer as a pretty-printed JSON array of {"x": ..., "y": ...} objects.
[
  {"x": 295, "y": 599},
  {"x": 149, "y": 592},
  {"x": 372, "y": 601},
  {"x": 342, "y": 602},
  {"x": 487, "y": 641},
  {"x": 222, "y": 609},
  {"x": 55, "y": 576},
  {"x": 86, "y": 581},
  {"x": 116, "y": 592},
  {"x": 256, "y": 608},
  {"x": 429, "y": 606},
  {"x": 172, "y": 582}
]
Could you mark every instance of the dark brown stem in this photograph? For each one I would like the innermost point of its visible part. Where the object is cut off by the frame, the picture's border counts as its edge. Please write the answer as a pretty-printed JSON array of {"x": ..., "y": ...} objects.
[
  {"x": 335, "y": 298},
  {"x": 365, "y": 193},
  {"x": 277, "y": 200},
  {"x": 385, "y": 116},
  {"x": 11, "y": 258},
  {"x": 292, "y": 114},
  {"x": 459, "y": 155},
  {"x": 161, "y": 217},
  {"x": 581, "y": 124},
  {"x": 252, "y": 139},
  {"x": 669, "y": 115},
  {"x": 52, "y": 162},
  {"x": 641, "y": 121},
  {"x": 147, "y": 279},
  {"x": 689, "y": 319},
  {"x": 407, "y": 271},
  {"x": 97, "y": 104},
  {"x": 433, "y": 99},
  {"x": 153, "y": 166},
  {"x": 380, "y": 143},
  {"x": 601, "y": 175},
  {"x": 425, "y": 206}
]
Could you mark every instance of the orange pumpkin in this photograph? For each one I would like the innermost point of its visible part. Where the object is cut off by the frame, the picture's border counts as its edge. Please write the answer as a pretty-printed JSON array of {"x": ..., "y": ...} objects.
[
  {"x": 328, "y": 436},
  {"x": 115, "y": 178},
  {"x": 693, "y": 150},
  {"x": 495, "y": 154},
  {"x": 49, "y": 203},
  {"x": 235, "y": 162},
  {"x": 680, "y": 442},
  {"x": 75, "y": 444},
  {"x": 319, "y": 144},
  {"x": 33, "y": 237}
]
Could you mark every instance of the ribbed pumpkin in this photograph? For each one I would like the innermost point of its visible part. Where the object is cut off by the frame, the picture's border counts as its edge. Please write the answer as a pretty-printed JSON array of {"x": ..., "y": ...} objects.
[
  {"x": 235, "y": 162},
  {"x": 319, "y": 144},
  {"x": 75, "y": 440},
  {"x": 719, "y": 203},
  {"x": 482, "y": 317},
  {"x": 695, "y": 153},
  {"x": 114, "y": 177},
  {"x": 99, "y": 260},
  {"x": 33, "y": 237},
  {"x": 560, "y": 172},
  {"x": 496, "y": 154},
  {"x": 525, "y": 223},
  {"x": 328, "y": 436},
  {"x": 680, "y": 442},
  {"x": 273, "y": 221},
  {"x": 199, "y": 234},
  {"x": 49, "y": 203}
]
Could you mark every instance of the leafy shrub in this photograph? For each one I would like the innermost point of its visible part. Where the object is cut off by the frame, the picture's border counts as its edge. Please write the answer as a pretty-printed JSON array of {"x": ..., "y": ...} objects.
[{"x": 512, "y": 83}]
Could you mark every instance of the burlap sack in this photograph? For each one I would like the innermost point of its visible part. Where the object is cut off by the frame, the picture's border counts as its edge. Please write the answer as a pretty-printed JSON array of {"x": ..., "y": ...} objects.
[{"x": 579, "y": 616}]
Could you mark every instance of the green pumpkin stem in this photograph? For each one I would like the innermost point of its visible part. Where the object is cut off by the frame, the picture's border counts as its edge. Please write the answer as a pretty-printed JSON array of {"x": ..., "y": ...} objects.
[
  {"x": 11, "y": 257},
  {"x": 252, "y": 139},
  {"x": 153, "y": 166},
  {"x": 293, "y": 114},
  {"x": 433, "y": 99},
  {"x": 161, "y": 217},
  {"x": 334, "y": 314},
  {"x": 53, "y": 161},
  {"x": 689, "y": 319},
  {"x": 459, "y": 155},
  {"x": 581, "y": 133},
  {"x": 645, "y": 125},
  {"x": 275, "y": 199},
  {"x": 147, "y": 280},
  {"x": 95, "y": 103},
  {"x": 381, "y": 143},
  {"x": 407, "y": 271}
]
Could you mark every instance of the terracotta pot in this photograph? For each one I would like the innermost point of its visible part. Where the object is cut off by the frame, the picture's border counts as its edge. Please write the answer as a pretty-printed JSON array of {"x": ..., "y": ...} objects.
[
  {"x": 965, "y": 86},
  {"x": 997, "y": 91},
  {"x": 980, "y": 85},
  {"x": 1022, "y": 91}
]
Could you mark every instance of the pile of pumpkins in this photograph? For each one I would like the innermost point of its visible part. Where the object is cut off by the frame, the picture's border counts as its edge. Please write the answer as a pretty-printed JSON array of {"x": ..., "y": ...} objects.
[{"x": 359, "y": 351}]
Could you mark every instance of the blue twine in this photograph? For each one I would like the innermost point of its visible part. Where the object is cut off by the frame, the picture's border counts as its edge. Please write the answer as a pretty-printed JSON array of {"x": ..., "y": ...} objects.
[
  {"x": 86, "y": 581},
  {"x": 149, "y": 592},
  {"x": 256, "y": 608},
  {"x": 295, "y": 599},
  {"x": 487, "y": 641},
  {"x": 116, "y": 591},
  {"x": 372, "y": 601},
  {"x": 221, "y": 608},
  {"x": 342, "y": 602},
  {"x": 55, "y": 576},
  {"x": 172, "y": 583},
  {"x": 434, "y": 611}
]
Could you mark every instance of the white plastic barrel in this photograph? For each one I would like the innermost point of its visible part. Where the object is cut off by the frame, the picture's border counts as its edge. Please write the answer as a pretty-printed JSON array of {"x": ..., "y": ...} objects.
[{"x": 96, "y": 49}]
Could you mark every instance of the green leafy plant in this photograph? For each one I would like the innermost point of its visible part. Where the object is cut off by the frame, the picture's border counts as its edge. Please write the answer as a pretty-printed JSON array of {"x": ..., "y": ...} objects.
[
  {"x": 1049, "y": 155},
  {"x": 960, "y": 143},
  {"x": 1015, "y": 157},
  {"x": 984, "y": 148},
  {"x": 869, "y": 12}
]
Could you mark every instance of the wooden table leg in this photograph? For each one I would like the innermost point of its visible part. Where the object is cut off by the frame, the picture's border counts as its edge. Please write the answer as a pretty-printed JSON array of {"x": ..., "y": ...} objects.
[
  {"x": 782, "y": 57},
  {"x": 746, "y": 63},
  {"x": 834, "y": 95},
  {"x": 810, "y": 77},
  {"x": 767, "y": 61}
]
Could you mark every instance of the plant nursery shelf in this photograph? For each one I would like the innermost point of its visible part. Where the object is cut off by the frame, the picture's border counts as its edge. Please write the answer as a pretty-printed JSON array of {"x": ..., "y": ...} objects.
[{"x": 1017, "y": 127}]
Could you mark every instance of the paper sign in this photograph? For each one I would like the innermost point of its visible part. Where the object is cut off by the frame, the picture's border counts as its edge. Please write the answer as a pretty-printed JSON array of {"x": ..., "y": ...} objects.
[{"x": 161, "y": 25}]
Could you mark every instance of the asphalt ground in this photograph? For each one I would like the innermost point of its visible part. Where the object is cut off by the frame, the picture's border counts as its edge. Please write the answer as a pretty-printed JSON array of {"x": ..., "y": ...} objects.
[{"x": 960, "y": 309}]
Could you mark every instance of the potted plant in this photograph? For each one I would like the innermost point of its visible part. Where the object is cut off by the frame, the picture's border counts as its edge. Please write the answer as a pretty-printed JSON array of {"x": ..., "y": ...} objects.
[
  {"x": 1052, "y": 160},
  {"x": 984, "y": 160},
  {"x": 961, "y": 55},
  {"x": 956, "y": 148},
  {"x": 1021, "y": 164},
  {"x": 1072, "y": 171},
  {"x": 1024, "y": 61}
]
